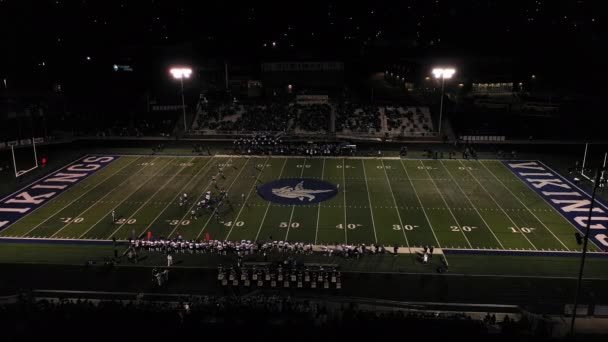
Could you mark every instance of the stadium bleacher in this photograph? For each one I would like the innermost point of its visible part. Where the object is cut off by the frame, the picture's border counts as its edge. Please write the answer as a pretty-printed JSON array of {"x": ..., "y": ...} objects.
[
  {"x": 408, "y": 121},
  {"x": 350, "y": 119}
]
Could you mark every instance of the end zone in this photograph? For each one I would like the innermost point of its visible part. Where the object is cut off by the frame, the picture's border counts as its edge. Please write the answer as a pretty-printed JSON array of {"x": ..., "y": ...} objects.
[{"x": 22, "y": 202}]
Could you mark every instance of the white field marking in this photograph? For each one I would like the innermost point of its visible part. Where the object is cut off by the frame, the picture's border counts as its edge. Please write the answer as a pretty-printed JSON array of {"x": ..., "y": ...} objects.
[
  {"x": 370, "y": 203},
  {"x": 499, "y": 206},
  {"x": 246, "y": 199},
  {"x": 576, "y": 187},
  {"x": 473, "y": 205},
  {"x": 390, "y": 187},
  {"x": 196, "y": 201},
  {"x": 71, "y": 202},
  {"x": 421, "y": 206},
  {"x": 104, "y": 196},
  {"x": 268, "y": 206},
  {"x": 344, "y": 192},
  {"x": 124, "y": 199},
  {"x": 293, "y": 206},
  {"x": 520, "y": 201},
  {"x": 152, "y": 196},
  {"x": 446, "y": 203},
  {"x": 229, "y": 187},
  {"x": 319, "y": 210},
  {"x": 572, "y": 184},
  {"x": 328, "y": 157},
  {"x": 206, "y": 167},
  {"x": 45, "y": 177}
]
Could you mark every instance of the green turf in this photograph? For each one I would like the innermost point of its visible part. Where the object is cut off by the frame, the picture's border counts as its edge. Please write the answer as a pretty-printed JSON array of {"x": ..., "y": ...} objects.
[{"x": 411, "y": 203}]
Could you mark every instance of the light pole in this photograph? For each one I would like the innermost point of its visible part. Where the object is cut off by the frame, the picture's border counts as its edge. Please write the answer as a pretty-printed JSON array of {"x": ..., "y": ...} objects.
[
  {"x": 442, "y": 73},
  {"x": 181, "y": 73},
  {"x": 596, "y": 185}
]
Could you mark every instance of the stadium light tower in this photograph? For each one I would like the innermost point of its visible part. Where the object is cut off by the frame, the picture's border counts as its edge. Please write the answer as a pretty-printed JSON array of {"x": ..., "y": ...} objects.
[
  {"x": 442, "y": 73},
  {"x": 596, "y": 184},
  {"x": 181, "y": 73}
]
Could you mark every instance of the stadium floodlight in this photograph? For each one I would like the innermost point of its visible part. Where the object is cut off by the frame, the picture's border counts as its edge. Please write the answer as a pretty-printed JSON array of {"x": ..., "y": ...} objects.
[
  {"x": 442, "y": 73},
  {"x": 181, "y": 73}
]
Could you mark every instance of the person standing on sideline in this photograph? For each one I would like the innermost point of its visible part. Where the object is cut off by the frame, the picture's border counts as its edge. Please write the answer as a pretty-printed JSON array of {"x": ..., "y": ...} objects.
[
  {"x": 431, "y": 251},
  {"x": 169, "y": 260},
  {"x": 113, "y": 215}
]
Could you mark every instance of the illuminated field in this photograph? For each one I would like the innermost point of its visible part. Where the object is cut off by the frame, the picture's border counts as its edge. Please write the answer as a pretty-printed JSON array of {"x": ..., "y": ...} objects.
[{"x": 451, "y": 204}]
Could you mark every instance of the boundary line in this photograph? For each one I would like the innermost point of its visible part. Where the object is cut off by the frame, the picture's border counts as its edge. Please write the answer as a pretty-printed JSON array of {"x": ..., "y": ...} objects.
[
  {"x": 390, "y": 187},
  {"x": 319, "y": 210},
  {"x": 525, "y": 206},
  {"x": 371, "y": 211},
  {"x": 422, "y": 207},
  {"x": 236, "y": 219},
  {"x": 119, "y": 203},
  {"x": 229, "y": 187},
  {"x": 474, "y": 207},
  {"x": 451, "y": 251},
  {"x": 205, "y": 167},
  {"x": 72, "y": 202},
  {"x": 597, "y": 199},
  {"x": 152, "y": 196},
  {"x": 49, "y": 175},
  {"x": 445, "y": 202},
  {"x": 179, "y": 223},
  {"x": 97, "y": 201},
  {"x": 293, "y": 206},
  {"x": 268, "y": 205},
  {"x": 344, "y": 192},
  {"x": 499, "y": 206}
]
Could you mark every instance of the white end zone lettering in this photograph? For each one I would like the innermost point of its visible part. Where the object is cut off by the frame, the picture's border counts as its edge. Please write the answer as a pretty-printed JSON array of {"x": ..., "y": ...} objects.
[
  {"x": 565, "y": 197},
  {"x": 603, "y": 239},
  {"x": 26, "y": 200}
]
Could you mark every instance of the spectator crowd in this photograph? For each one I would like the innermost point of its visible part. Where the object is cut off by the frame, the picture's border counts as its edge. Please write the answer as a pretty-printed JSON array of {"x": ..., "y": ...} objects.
[{"x": 262, "y": 316}]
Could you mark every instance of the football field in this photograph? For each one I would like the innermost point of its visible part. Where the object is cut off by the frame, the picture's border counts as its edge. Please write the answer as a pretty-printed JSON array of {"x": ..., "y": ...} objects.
[{"x": 449, "y": 204}]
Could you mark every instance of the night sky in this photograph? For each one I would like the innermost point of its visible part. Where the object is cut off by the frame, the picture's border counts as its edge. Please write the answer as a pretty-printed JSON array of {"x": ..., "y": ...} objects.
[{"x": 56, "y": 34}]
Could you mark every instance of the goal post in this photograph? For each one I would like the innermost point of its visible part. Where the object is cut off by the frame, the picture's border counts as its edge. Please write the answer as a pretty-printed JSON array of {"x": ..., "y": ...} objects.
[
  {"x": 25, "y": 142},
  {"x": 591, "y": 158}
]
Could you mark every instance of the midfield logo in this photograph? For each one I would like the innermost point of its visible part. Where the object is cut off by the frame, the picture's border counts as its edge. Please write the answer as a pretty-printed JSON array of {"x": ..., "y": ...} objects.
[{"x": 296, "y": 191}]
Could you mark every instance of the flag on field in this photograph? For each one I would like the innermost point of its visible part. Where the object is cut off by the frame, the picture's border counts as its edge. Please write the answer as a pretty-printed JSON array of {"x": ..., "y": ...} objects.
[{"x": 207, "y": 236}]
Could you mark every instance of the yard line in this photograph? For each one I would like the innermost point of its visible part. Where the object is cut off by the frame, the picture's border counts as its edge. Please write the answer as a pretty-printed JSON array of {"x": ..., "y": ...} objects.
[
  {"x": 79, "y": 197},
  {"x": 124, "y": 199},
  {"x": 344, "y": 191},
  {"x": 150, "y": 198},
  {"x": 370, "y": 203},
  {"x": 319, "y": 210},
  {"x": 499, "y": 206},
  {"x": 246, "y": 199},
  {"x": 396, "y": 206},
  {"x": 230, "y": 187},
  {"x": 520, "y": 201},
  {"x": 473, "y": 205},
  {"x": 446, "y": 203},
  {"x": 268, "y": 206},
  {"x": 104, "y": 196},
  {"x": 293, "y": 206},
  {"x": 421, "y": 206},
  {"x": 205, "y": 167},
  {"x": 179, "y": 223}
]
